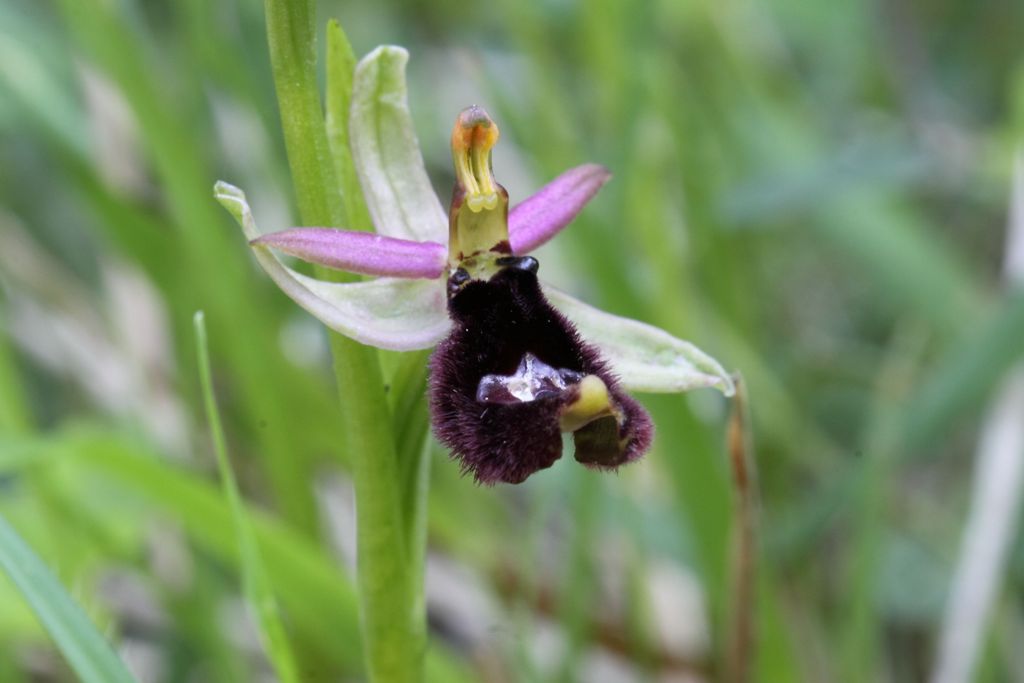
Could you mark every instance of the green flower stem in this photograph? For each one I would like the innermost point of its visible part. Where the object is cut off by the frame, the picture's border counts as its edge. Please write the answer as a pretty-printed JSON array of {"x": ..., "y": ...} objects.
[
  {"x": 389, "y": 581},
  {"x": 408, "y": 383},
  {"x": 290, "y": 32}
]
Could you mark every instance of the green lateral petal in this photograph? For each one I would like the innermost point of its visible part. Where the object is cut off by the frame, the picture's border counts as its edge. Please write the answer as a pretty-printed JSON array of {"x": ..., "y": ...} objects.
[
  {"x": 387, "y": 154},
  {"x": 389, "y": 313},
  {"x": 644, "y": 357}
]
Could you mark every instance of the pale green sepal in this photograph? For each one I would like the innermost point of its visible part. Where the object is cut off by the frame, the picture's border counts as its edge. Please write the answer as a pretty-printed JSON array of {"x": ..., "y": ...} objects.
[
  {"x": 644, "y": 357},
  {"x": 387, "y": 154},
  {"x": 389, "y": 313}
]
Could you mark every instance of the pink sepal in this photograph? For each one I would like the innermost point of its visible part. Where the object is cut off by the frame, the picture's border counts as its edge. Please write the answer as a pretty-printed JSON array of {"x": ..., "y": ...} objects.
[
  {"x": 543, "y": 215},
  {"x": 366, "y": 253}
]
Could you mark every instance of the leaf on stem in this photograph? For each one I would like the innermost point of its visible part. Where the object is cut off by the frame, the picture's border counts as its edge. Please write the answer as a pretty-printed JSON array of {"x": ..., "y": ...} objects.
[{"x": 341, "y": 64}]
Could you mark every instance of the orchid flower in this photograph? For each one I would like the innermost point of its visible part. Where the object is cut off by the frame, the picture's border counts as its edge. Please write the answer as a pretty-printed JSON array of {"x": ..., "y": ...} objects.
[{"x": 518, "y": 363}]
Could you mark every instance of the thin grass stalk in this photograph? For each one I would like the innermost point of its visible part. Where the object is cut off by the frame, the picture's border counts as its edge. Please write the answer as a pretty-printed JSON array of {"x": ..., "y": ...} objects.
[
  {"x": 258, "y": 591},
  {"x": 739, "y": 662}
]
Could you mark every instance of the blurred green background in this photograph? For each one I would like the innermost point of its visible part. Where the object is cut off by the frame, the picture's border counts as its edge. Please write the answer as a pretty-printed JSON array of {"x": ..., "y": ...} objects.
[{"x": 815, "y": 193}]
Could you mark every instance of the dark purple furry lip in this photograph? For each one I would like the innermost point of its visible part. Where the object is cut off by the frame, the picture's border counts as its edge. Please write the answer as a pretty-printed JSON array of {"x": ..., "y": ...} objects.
[{"x": 498, "y": 324}]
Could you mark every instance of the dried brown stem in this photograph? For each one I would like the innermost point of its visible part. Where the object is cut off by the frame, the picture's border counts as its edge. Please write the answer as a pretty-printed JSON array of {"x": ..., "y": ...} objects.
[{"x": 740, "y": 650}]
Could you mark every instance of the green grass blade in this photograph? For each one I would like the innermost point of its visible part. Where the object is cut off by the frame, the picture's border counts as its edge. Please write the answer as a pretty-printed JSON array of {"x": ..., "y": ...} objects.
[
  {"x": 874, "y": 486},
  {"x": 82, "y": 645},
  {"x": 214, "y": 261},
  {"x": 14, "y": 413},
  {"x": 258, "y": 591},
  {"x": 968, "y": 373},
  {"x": 315, "y": 592}
]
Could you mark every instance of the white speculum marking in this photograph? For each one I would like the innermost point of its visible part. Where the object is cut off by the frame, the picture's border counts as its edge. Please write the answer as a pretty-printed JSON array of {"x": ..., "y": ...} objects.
[{"x": 533, "y": 379}]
